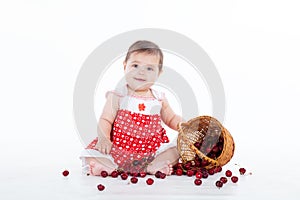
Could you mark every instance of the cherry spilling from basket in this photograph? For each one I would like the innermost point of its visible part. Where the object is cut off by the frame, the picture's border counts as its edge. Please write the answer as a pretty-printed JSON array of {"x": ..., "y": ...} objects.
[
  {"x": 205, "y": 143},
  {"x": 211, "y": 145}
]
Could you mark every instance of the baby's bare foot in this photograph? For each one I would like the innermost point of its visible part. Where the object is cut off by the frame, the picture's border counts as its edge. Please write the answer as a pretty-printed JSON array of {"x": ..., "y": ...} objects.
[
  {"x": 96, "y": 168},
  {"x": 163, "y": 166}
]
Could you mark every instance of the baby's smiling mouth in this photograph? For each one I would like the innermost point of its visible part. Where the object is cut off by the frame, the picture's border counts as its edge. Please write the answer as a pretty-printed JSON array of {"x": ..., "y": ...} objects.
[{"x": 139, "y": 79}]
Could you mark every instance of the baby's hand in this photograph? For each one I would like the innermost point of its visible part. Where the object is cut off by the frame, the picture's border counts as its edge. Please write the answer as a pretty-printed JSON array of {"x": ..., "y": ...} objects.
[{"x": 104, "y": 145}]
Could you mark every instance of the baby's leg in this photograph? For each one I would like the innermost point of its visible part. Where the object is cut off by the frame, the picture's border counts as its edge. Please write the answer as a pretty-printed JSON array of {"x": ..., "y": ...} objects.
[
  {"x": 164, "y": 161},
  {"x": 97, "y": 165}
]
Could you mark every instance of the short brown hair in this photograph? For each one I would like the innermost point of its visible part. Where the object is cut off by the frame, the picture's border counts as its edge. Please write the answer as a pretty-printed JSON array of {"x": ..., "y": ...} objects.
[{"x": 144, "y": 46}]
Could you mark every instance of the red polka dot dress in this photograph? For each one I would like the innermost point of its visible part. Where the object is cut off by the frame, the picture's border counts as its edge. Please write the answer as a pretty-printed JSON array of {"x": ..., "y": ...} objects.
[{"x": 137, "y": 132}]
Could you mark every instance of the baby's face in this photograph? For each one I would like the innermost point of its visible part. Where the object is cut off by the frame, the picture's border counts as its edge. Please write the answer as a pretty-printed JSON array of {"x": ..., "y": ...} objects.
[{"x": 141, "y": 70}]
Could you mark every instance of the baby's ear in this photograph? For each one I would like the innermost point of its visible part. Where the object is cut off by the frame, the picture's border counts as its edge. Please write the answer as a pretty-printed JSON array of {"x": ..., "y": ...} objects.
[{"x": 124, "y": 64}]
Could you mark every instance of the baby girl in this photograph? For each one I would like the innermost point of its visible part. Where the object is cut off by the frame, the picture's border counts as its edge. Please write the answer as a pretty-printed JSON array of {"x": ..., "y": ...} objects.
[{"x": 131, "y": 137}]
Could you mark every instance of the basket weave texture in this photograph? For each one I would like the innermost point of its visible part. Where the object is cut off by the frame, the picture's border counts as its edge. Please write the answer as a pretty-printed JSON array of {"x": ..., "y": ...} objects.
[{"x": 198, "y": 129}]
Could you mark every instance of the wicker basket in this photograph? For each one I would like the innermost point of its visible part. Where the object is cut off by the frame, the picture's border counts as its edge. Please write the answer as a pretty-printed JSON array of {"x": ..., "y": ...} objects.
[{"x": 199, "y": 129}]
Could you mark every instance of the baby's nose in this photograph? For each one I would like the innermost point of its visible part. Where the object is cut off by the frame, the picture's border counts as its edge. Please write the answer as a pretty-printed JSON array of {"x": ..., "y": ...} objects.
[{"x": 142, "y": 69}]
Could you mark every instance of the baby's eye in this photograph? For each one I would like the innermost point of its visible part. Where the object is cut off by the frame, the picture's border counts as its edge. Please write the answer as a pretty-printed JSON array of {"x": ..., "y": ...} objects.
[
  {"x": 150, "y": 69},
  {"x": 134, "y": 65}
]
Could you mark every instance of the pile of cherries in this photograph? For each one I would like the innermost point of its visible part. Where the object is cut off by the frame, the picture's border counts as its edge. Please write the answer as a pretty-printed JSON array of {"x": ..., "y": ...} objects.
[
  {"x": 180, "y": 169},
  {"x": 133, "y": 179},
  {"x": 190, "y": 169},
  {"x": 125, "y": 176}
]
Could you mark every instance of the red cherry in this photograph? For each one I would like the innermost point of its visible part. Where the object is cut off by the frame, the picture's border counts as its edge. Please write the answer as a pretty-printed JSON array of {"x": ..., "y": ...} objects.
[
  {"x": 234, "y": 179},
  {"x": 65, "y": 173},
  {"x": 218, "y": 169},
  {"x": 204, "y": 174},
  {"x": 219, "y": 184},
  {"x": 187, "y": 166},
  {"x": 114, "y": 174},
  {"x": 104, "y": 174},
  {"x": 142, "y": 174},
  {"x": 199, "y": 175},
  {"x": 190, "y": 172},
  {"x": 242, "y": 171},
  {"x": 135, "y": 174},
  {"x": 149, "y": 181},
  {"x": 179, "y": 172},
  {"x": 211, "y": 171},
  {"x": 124, "y": 176},
  {"x": 212, "y": 155},
  {"x": 223, "y": 180},
  {"x": 163, "y": 175},
  {"x": 215, "y": 149},
  {"x": 197, "y": 164},
  {"x": 134, "y": 180},
  {"x": 228, "y": 173},
  {"x": 157, "y": 174},
  {"x": 100, "y": 187},
  {"x": 179, "y": 165},
  {"x": 204, "y": 163},
  {"x": 198, "y": 181},
  {"x": 208, "y": 150}
]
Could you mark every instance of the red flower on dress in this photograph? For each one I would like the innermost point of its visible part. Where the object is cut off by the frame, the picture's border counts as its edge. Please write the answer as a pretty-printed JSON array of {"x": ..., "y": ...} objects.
[{"x": 142, "y": 107}]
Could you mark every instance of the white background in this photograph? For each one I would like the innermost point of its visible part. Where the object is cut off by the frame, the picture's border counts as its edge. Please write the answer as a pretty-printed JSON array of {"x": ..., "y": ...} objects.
[{"x": 254, "y": 44}]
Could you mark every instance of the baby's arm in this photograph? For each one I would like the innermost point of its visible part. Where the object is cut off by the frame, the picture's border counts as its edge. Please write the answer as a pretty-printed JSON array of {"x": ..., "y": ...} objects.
[
  {"x": 105, "y": 123},
  {"x": 168, "y": 116}
]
